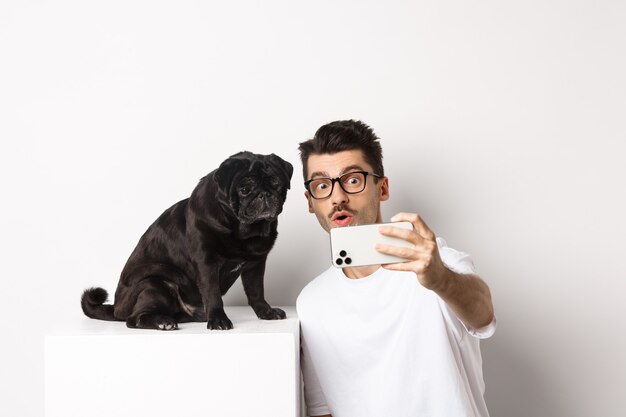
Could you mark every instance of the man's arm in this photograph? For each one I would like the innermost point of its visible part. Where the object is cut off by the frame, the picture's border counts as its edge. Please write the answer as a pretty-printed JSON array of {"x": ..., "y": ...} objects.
[{"x": 467, "y": 295}]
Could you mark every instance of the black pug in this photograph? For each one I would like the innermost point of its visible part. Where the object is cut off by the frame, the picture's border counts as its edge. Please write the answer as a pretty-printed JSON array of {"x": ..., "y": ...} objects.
[{"x": 194, "y": 252}]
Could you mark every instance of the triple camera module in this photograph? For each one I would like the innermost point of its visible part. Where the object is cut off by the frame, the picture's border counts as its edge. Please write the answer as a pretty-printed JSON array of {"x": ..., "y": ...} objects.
[{"x": 343, "y": 258}]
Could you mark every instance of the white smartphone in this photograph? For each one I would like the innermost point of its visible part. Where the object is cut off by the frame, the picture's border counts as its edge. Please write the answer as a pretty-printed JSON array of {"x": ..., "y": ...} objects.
[{"x": 354, "y": 245}]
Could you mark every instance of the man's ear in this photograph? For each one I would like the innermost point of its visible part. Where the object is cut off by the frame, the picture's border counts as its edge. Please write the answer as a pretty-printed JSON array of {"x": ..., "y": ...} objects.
[
  {"x": 383, "y": 188},
  {"x": 309, "y": 201}
]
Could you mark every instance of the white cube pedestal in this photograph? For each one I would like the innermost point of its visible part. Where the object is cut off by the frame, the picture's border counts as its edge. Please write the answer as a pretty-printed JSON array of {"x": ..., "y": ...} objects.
[{"x": 100, "y": 368}]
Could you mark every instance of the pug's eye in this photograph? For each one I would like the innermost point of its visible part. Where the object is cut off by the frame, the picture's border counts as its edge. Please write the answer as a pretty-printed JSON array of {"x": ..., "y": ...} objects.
[{"x": 244, "y": 191}]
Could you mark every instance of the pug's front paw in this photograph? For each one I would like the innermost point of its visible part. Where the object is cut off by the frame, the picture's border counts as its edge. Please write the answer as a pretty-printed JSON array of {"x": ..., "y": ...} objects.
[
  {"x": 219, "y": 323},
  {"x": 269, "y": 313}
]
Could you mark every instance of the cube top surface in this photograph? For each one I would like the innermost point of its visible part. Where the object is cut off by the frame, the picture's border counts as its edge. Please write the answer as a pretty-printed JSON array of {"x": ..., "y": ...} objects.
[{"x": 243, "y": 318}]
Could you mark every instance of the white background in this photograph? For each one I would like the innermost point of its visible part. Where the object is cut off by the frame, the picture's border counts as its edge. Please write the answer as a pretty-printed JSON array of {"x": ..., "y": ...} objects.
[{"x": 502, "y": 123}]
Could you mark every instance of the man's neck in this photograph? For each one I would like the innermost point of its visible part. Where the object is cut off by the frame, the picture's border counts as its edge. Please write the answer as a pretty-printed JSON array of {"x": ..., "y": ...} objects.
[{"x": 360, "y": 271}]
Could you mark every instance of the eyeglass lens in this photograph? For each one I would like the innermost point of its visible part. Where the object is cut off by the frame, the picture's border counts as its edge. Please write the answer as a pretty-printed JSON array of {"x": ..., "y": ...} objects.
[{"x": 352, "y": 182}]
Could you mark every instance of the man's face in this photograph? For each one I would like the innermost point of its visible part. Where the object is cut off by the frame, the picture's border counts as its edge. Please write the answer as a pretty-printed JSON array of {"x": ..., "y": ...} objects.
[{"x": 340, "y": 208}]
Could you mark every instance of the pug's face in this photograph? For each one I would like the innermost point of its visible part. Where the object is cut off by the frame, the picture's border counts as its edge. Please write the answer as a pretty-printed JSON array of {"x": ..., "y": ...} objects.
[{"x": 254, "y": 185}]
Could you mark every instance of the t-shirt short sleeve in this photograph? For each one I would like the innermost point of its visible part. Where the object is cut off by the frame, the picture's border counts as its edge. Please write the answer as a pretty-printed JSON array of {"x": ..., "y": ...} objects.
[
  {"x": 484, "y": 332},
  {"x": 455, "y": 260}
]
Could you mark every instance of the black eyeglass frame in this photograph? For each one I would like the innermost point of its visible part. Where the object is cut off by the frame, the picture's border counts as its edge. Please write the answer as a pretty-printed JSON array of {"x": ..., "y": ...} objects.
[{"x": 307, "y": 184}]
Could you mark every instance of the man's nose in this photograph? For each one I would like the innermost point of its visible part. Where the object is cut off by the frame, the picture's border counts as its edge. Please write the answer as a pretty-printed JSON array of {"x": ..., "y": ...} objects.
[{"x": 338, "y": 196}]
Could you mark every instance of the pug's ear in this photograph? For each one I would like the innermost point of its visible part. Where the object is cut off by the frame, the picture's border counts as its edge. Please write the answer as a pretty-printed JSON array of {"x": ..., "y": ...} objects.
[
  {"x": 285, "y": 168},
  {"x": 227, "y": 170}
]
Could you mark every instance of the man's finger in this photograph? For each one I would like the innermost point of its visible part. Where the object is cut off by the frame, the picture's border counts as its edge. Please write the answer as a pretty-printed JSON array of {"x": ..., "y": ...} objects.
[
  {"x": 418, "y": 223},
  {"x": 408, "y": 235},
  {"x": 406, "y": 253},
  {"x": 398, "y": 266}
]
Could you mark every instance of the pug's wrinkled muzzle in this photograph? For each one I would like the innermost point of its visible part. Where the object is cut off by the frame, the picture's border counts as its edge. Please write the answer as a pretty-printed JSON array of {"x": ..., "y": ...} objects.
[{"x": 265, "y": 206}]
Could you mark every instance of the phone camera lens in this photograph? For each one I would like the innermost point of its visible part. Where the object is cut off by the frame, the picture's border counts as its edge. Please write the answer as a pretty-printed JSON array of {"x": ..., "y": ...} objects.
[
  {"x": 348, "y": 261},
  {"x": 338, "y": 261},
  {"x": 342, "y": 253}
]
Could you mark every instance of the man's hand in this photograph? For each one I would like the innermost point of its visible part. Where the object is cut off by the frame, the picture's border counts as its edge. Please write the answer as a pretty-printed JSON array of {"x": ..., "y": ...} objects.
[
  {"x": 466, "y": 294},
  {"x": 423, "y": 257}
]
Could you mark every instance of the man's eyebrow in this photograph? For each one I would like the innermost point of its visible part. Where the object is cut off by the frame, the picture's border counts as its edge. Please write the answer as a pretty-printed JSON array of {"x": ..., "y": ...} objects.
[
  {"x": 352, "y": 168},
  {"x": 346, "y": 169}
]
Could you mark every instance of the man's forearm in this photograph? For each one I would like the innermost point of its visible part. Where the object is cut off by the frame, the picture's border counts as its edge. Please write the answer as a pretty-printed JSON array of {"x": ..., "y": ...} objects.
[{"x": 468, "y": 296}]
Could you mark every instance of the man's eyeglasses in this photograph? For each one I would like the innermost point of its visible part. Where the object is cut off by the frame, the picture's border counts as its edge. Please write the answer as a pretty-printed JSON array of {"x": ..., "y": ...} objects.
[{"x": 351, "y": 183}]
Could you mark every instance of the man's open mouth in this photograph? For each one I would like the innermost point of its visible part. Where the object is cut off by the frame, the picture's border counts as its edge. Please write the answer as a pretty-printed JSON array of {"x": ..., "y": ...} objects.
[{"x": 342, "y": 219}]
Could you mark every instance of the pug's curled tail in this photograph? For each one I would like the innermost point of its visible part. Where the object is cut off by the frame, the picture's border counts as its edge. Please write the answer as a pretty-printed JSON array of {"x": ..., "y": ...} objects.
[{"x": 92, "y": 302}]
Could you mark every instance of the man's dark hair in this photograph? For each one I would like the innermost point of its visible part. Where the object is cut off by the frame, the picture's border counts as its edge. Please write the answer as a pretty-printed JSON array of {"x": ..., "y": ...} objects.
[{"x": 344, "y": 135}]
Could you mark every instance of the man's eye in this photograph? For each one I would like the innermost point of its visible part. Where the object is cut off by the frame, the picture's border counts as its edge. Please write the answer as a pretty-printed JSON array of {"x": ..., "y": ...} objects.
[
  {"x": 353, "y": 180},
  {"x": 321, "y": 186}
]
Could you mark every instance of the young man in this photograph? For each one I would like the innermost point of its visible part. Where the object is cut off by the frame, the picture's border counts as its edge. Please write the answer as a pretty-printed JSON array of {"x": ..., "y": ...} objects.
[{"x": 397, "y": 340}]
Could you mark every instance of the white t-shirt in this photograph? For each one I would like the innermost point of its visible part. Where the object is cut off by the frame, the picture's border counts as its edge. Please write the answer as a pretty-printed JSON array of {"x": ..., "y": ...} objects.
[{"x": 384, "y": 345}]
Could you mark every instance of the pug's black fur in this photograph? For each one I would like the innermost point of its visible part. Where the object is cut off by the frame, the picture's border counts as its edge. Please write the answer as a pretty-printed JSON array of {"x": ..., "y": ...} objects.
[{"x": 194, "y": 252}]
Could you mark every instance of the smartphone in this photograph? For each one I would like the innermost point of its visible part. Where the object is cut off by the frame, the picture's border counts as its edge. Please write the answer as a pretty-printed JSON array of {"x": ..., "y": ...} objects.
[{"x": 354, "y": 245}]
